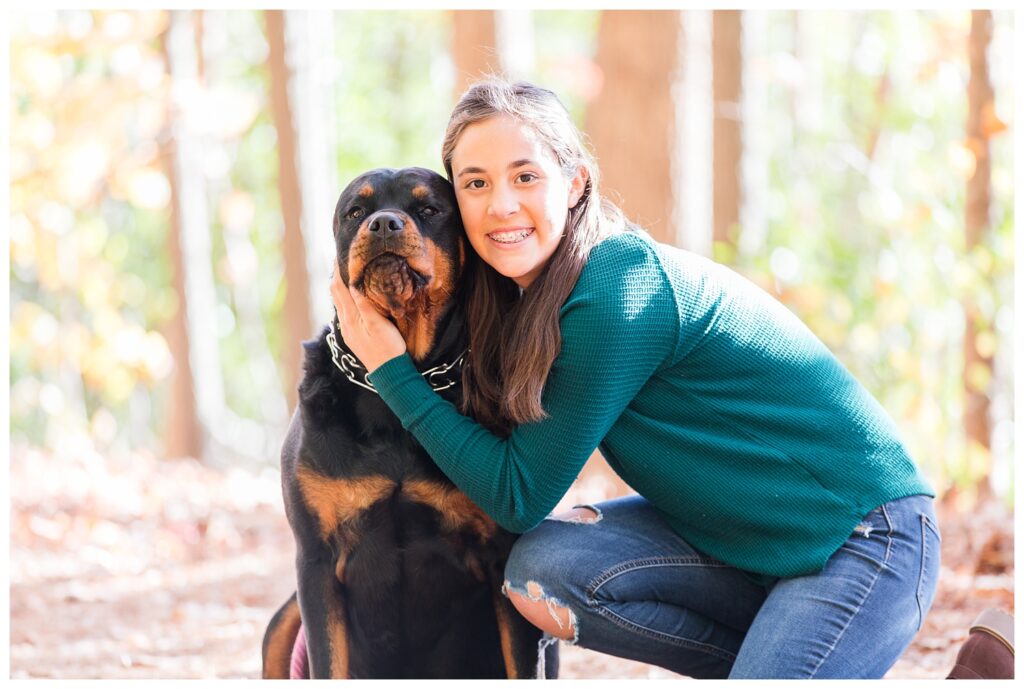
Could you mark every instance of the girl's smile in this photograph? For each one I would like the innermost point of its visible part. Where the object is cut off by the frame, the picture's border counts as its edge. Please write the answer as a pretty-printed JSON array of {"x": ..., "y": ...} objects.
[{"x": 510, "y": 235}]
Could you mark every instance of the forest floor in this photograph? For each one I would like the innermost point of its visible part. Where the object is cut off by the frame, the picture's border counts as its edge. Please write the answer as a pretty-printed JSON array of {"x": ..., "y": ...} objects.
[{"x": 168, "y": 569}]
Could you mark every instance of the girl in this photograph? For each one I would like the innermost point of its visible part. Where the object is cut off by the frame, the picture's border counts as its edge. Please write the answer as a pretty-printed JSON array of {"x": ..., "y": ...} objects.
[{"x": 780, "y": 529}]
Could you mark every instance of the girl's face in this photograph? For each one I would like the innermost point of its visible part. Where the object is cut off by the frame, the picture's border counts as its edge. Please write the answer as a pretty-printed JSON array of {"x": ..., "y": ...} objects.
[{"x": 513, "y": 196}]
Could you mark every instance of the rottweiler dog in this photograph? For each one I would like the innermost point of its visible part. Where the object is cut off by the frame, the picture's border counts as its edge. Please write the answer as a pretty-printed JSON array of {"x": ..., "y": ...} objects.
[{"x": 399, "y": 573}]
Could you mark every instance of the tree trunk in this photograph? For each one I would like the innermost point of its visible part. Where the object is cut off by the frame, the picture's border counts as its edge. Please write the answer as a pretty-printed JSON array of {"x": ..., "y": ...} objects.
[
  {"x": 474, "y": 37},
  {"x": 183, "y": 436},
  {"x": 259, "y": 368},
  {"x": 297, "y": 320},
  {"x": 980, "y": 105},
  {"x": 197, "y": 392},
  {"x": 727, "y": 86},
  {"x": 632, "y": 122}
]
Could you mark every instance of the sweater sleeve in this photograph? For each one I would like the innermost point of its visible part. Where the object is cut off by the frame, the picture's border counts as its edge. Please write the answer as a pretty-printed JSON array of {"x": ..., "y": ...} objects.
[{"x": 618, "y": 326}]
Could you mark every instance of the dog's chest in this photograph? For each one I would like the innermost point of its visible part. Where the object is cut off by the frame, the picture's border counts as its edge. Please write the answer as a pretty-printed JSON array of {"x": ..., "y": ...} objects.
[{"x": 371, "y": 471}]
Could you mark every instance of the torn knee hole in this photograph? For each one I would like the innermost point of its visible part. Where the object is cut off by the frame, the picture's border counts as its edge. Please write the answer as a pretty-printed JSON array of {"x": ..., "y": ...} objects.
[{"x": 542, "y": 610}]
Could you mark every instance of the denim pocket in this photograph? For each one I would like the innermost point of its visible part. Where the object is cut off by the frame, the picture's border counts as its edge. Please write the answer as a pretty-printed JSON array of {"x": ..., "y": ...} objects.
[
  {"x": 932, "y": 526},
  {"x": 927, "y": 579}
]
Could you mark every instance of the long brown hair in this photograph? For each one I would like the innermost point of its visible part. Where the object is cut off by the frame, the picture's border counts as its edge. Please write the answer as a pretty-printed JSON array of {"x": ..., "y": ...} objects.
[{"x": 514, "y": 338}]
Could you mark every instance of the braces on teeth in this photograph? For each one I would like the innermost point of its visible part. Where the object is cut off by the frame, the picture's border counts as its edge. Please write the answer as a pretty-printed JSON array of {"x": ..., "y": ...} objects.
[{"x": 508, "y": 237}]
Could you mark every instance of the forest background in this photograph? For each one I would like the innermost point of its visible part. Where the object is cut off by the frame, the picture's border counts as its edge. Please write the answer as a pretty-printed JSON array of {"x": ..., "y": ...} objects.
[{"x": 172, "y": 179}]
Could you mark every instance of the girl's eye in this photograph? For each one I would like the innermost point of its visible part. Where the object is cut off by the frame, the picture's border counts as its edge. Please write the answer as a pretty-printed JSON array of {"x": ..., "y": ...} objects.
[
  {"x": 355, "y": 213},
  {"x": 430, "y": 210},
  {"x": 527, "y": 177},
  {"x": 475, "y": 184}
]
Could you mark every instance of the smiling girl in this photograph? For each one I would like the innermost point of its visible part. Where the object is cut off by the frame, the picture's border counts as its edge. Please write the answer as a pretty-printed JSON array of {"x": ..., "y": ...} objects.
[{"x": 780, "y": 528}]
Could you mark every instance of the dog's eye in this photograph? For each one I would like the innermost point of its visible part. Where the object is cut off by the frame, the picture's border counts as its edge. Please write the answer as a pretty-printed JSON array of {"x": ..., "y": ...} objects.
[
  {"x": 355, "y": 213},
  {"x": 430, "y": 210}
]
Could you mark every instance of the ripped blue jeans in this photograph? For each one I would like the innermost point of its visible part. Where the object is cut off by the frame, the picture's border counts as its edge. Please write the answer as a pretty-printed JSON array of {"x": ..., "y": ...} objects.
[{"x": 635, "y": 589}]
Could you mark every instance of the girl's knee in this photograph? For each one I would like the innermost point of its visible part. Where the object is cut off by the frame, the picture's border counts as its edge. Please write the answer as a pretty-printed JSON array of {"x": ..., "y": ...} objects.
[
  {"x": 535, "y": 583},
  {"x": 543, "y": 612},
  {"x": 532, "y": 555}
]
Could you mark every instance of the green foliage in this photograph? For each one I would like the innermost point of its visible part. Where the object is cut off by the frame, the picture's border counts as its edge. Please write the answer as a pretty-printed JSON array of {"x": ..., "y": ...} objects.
[
  {"x": 865, "y": 228},
  {"x": 864, "y": 212},
  {"x": 566, "y": 45},
  {"x": 88, "y": 270},
  {"x": 395, "y": 88}
]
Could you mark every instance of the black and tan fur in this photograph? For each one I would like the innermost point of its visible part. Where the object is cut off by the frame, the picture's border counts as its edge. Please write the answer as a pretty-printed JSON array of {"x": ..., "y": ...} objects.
[{"x": 399, "y": 573}]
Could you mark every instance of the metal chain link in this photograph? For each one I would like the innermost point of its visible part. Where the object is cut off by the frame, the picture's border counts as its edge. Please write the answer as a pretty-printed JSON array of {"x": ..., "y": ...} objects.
[{"x": 351, "y": 367}]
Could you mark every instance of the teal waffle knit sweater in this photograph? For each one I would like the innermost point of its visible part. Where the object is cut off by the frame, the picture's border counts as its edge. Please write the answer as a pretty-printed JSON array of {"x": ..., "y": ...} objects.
[{"x": 705, "y": 395}]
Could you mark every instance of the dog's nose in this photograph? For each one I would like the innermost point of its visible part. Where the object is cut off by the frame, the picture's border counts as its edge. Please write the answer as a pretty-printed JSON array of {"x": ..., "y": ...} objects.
[{"x": 385, "y": 224}]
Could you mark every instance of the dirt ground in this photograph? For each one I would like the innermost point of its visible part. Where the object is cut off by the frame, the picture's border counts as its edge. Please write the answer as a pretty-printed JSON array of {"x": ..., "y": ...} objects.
[{"x": 141, "y": 568}]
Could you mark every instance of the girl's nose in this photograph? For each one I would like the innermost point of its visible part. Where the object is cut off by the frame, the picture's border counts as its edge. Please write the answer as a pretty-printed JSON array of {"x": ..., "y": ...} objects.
[{"x": 503, "y": 202}]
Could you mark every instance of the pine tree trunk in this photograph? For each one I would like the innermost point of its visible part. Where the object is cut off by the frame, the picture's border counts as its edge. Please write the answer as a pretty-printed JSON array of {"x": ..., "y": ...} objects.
[
  {"x": 473, "y": 47},
  {"x": 632, "y": 122},
  {"x": 980, "y": 99},
  {"x": 183, "y": 436},
  {"x": 297, "y": 319}
]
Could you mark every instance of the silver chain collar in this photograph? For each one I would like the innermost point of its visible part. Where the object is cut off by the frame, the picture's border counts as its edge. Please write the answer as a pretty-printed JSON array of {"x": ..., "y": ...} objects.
[{"x": 353, "y": 370}]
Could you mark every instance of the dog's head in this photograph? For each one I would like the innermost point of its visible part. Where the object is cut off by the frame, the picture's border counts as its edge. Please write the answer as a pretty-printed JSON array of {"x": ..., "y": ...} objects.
[{"x": 399, "y": 240}]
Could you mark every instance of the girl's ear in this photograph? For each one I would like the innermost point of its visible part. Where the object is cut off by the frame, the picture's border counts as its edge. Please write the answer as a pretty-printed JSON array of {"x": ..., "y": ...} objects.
[{"x": 576, "y": 186}]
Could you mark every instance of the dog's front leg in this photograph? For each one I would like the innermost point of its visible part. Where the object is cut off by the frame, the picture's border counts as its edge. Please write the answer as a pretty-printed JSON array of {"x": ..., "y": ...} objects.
[{"x": 322, "y": 603}]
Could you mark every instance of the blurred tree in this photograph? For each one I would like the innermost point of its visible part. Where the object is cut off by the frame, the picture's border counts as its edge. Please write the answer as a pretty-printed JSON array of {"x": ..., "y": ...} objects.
[
  {"x": 473, "y": 46},
  {"x": 726, "y": 84},
  {"x": 191, "y": 225},
  {"x": 486, "y": 42},
  {"x": 297, "y": 312},
  {"x": 864, "y": 237},
  {"x": 858, "y": 223},
  {"x": 632, "y": 120},
  {"x": 235, "y": 87},
  {"x": 87, "y": 200},
  {"x": 183, "y": 433},
  {"x": 982, "y": 123},
  {"x": 393, "y": 89},
  {"x": 566, "y": 45}
]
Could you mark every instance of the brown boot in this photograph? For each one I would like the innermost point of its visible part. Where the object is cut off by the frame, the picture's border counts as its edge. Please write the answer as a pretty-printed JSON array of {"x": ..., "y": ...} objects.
[{"x": 988, "y": 651}]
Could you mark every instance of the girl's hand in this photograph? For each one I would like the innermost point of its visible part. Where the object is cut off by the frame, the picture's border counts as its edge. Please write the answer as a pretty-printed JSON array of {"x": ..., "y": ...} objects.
[{"x": 371, "y": 337}]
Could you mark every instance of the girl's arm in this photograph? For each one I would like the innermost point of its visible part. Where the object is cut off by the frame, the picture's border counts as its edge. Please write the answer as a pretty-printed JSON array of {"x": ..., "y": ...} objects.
[{"x": 619, "y": 326}]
